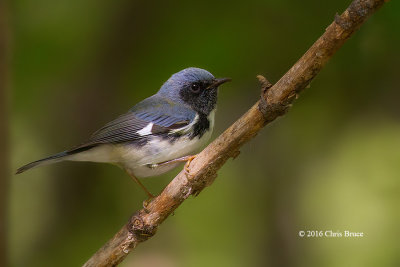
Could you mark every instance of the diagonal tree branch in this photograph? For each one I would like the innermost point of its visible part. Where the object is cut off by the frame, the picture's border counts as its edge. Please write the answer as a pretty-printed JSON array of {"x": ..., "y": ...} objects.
[{"x": 274, "y": 102}]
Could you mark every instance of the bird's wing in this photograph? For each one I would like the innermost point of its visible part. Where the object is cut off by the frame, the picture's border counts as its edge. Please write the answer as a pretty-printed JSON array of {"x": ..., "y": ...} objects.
[{"x": 153, "y": 116}]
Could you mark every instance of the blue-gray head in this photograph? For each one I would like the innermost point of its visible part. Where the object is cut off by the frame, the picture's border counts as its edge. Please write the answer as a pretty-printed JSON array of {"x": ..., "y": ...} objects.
[{"x": 195, "y": 87}]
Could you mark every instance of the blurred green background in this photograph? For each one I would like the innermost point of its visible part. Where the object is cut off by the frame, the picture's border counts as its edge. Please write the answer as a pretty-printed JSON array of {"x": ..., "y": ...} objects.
[{"x": 332, "y": 163}]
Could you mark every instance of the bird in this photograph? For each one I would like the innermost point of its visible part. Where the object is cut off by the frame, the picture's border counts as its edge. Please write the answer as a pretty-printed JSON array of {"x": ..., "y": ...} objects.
[{"x": 156, "y": 134}]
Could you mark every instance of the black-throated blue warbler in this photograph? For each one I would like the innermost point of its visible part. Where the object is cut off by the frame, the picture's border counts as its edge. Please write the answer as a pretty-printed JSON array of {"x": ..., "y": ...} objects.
[{"x": 157, "y": 133}]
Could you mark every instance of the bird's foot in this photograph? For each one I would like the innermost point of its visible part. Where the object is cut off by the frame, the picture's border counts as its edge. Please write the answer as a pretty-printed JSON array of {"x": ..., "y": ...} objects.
[{"x": 186, "y": 168}]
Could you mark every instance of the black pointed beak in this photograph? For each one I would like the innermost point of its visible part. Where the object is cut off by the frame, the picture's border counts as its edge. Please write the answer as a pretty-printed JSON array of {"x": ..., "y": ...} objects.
[{"x": 218, "y": 82}]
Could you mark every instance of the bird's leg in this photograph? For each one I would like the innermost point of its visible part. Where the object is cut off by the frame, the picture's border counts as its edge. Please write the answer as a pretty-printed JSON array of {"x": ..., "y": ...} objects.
[
  {"x": 150, "y": 195},
  {"x": 186, "y": 159},
  {"x": 172, "y": 161}
]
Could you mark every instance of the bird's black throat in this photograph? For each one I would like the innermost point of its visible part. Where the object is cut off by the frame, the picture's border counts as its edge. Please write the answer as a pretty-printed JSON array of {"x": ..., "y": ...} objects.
[{"x": 200, "y": 127}]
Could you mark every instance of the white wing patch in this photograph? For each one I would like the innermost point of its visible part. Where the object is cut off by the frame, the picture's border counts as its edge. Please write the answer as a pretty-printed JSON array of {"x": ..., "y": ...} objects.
[{"x": 146, "y": 130}]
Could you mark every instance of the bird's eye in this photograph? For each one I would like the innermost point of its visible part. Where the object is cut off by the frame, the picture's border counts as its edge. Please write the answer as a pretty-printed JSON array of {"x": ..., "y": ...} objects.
[{"x": 195, "y": 87}]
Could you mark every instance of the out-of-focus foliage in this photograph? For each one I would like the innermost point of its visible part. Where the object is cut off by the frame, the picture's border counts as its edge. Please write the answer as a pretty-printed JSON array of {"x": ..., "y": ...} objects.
[{"x": 332, "y": 163}]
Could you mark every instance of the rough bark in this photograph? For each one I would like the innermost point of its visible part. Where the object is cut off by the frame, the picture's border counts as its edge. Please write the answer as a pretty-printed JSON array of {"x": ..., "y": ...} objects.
[{"x": 274, "y": 102}]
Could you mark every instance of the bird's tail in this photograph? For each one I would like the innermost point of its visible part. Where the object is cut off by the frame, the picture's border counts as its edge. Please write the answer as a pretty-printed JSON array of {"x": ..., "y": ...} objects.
[{"x": 52, "y": 159}]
